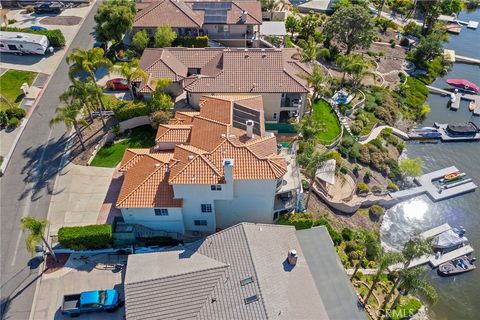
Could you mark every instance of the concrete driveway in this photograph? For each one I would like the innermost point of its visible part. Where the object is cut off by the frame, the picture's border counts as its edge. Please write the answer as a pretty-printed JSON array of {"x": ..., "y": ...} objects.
[
  {"x": 76, "y": 276},
  {"x": 49, "y": 62}
]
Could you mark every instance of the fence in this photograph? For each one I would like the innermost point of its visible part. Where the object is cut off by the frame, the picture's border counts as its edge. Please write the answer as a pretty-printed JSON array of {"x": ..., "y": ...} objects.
[{"x": 280, "y": 127}]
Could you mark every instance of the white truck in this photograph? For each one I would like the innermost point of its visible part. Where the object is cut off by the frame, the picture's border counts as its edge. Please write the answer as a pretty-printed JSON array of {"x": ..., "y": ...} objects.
[{"x": 24, "y": 43}]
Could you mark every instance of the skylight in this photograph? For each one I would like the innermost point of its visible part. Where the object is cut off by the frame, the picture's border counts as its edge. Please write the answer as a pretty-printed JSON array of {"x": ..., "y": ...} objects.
[
  {"x": 246, "y": 281},
  {"x": 251, "y": 299}
]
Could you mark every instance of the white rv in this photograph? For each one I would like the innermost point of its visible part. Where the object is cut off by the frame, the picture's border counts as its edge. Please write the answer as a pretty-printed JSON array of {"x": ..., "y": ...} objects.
[{"x": 24, "y": 43}]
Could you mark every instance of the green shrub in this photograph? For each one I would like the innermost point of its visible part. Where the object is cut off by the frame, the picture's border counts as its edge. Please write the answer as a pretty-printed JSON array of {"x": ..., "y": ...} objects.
[
  {"x": 55, "y": 36},
  {"x": 392, "y": 186},
  {"x": 140, "y": 40},
  {"x": 29, "y": 9},
  {"x": 362, "y": 188},
  {"x": 11, "y": 21},
  {"x": 376, "y": 190},
  {"x": 97, "y": 236},
  {"x": 392, "y": 43},
  {"x": 298, "y": 220},
  {"x": 3, "y": 118},
  {"x": 15, "y": 112},
  {"x": 191, "y": 42},
  {"x": 334, "y": 234},
  {"x": 350, "y": 246},
  {"x": 404, "y": 42},
  {"x": 343, "y": 170},
  {"x": 405, "y": 310},
  {"x": 13, "y": 122},
  {"x": 347, "y": 234},
  {"x": 125, "y": 110},
  {"x": 376, "y": 212}
]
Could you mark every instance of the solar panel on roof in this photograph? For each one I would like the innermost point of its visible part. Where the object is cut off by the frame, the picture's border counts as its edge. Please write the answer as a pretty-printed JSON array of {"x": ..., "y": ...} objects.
[{"x": 215, "y": 12}]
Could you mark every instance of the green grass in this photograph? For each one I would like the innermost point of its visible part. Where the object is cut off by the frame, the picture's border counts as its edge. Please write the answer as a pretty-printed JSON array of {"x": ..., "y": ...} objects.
[
  {"x": 324, "y": 114},
  {"x": 10, "y": 83},
  {"x": 110, "y": 156}
]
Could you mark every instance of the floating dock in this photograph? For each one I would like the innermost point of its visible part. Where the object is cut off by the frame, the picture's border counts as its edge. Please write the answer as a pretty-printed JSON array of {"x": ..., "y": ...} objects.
[
  {"x": 435, "y": 231},
  {"x": 426, "y": 186},
  {"x": 442, "y": 128},
  {"x": 455, "y": 105},
  {"x": 433, "y": 261},
  {"x": 450, "y": 55},
  {"x": 452, "y": 19}
]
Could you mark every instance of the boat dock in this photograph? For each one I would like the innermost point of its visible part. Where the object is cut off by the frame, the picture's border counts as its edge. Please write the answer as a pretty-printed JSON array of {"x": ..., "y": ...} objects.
[
  {"x": 426, "y": 186},
  {"x": 455, "y": 105},
  {"x": 450, "y": 55},
  {"x": 433, "y": 261},
  {"x": 442, "y": 128},
  {"x": 435, "y": 231},
  {"x": 439, "y": 91},
  {"x": 452, "y": 19}
]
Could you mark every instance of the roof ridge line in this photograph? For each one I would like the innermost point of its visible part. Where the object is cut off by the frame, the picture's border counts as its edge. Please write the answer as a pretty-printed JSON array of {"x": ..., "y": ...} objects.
[
  {"x": 144, "y": 12},
  {"x": 248, "y": 13},
  {"x": 182, "y": 9},
  {"x": 294, "y": 79},
  {"x": 140, "y": 184}
]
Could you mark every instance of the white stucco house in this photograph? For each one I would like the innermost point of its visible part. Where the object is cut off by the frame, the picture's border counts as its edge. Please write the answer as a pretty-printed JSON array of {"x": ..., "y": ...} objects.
[{"x": 210, "y": 169}]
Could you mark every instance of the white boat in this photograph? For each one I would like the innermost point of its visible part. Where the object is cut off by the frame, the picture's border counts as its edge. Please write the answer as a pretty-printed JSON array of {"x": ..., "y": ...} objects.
[{"x": 24, "y": 43}]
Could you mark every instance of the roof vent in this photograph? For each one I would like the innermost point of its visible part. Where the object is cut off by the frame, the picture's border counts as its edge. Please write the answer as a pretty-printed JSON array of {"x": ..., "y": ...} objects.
[
  {"x": 232, "y": 136},
  {"x": 157, "y": 165},
  {"x": 190, "y": 157},
  {"x": 249, "y": 125},
  {"x": 292, "y": 257}
]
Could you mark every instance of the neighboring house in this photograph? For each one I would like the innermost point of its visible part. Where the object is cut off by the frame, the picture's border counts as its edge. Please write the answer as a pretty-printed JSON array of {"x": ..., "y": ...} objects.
[
  {"x": 248, "y": 271},
  {"x": 209, "y": 169},
  {"x": 275, "y": 74},
  {"x": 235, "y": 21}
]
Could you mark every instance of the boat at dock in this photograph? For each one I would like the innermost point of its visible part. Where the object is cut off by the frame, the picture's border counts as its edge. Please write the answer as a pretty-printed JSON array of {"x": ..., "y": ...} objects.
[
  {"x": 452, "y": 176},
  {"x": 456, "y": 266},
  {"x": 449, "y": 240},
  {"x": 464, "y": 85}
]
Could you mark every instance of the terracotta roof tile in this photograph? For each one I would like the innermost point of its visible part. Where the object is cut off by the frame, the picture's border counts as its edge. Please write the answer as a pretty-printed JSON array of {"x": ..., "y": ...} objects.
[
  {"x": 175, "y": 14},
  {"x": 176, "y": 133}
]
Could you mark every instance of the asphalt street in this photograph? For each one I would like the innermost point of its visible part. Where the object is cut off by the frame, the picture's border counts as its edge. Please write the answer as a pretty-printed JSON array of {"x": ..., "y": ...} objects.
[{"x": 27, "y": 185}]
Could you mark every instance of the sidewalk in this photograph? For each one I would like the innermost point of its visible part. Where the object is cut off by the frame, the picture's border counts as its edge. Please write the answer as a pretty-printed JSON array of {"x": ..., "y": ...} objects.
[{"x": 78, "y": 196}]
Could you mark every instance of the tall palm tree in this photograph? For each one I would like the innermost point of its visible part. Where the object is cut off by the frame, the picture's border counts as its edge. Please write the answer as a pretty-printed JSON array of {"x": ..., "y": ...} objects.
[
  {"x": 87, "y": 61},
  {"x": 131, "y": 71},
  {"x": 367, "y": 241},
  {"x": 88, "y": 92},
  {"x": 311, "y": 159},
  {"x": 317, "y": 81},
  {"x": 36, "y": 228},
  {"x": 412, "y": 249},
  {"x": 355, "y": 66},
  {"x": 69, "y": 116},
  {"x": 412, "y": 281},
  {"x": 385, "y": 259}
]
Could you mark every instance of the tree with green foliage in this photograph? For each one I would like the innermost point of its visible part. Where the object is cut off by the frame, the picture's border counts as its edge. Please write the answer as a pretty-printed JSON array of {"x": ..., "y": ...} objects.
[
  {"x": 308, "y": 129},
  {"x": 69, "y": 115},
  {"x": 292, "y": 24},
  {"x": 140, "y": 40},
  {"x": 355, "y": 66},
  {"x": 309, "y": 50},
  {"x": 317, "y": 81},
  {"x": 413, "y": 281},
  {"x": 384, "y": 260},
  {"x": 311, "y": 159},
  {"x": 309, "y": 24},
  {"x": 87, "y": 61},
  {"x": 431, "y": 11},
  {"x": 411, "y": 167},
  {"x": 352, "y": 26},
  {"x": 451, "y": 6},
  {"x": 131, "y": 71},
  {"x": 36, "y": 230},
  {"x": 414, "y": 248},
  {"x": 114, "y": 18},
  {"x": 370, "y": 244},
  {"x": 164, "y": 37}
]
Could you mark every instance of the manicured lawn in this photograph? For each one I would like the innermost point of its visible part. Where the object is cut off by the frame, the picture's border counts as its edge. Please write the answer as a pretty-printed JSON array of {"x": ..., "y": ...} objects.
[
  {"x": 10, "y": 83},
  {"x": 110, "y": 156},
  {"x": 324, "y": 114}
]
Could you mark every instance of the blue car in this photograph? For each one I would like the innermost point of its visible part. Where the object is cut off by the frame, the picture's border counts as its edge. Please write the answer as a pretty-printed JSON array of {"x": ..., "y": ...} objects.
[
  {"x": 91, "y": 301},
  {"x": 38, "y": 28}
]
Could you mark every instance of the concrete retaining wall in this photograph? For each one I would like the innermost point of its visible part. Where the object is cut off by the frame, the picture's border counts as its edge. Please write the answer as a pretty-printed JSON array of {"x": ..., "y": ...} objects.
[{"x": 134, "y": 122}]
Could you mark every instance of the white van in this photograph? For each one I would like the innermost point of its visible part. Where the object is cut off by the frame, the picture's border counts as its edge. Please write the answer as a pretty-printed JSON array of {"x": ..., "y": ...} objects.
[{"x": 24, "y": 43}]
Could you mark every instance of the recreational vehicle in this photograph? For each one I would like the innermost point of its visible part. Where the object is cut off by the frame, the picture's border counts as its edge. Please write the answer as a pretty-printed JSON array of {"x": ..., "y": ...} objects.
[{"x": 23, "y": 43}]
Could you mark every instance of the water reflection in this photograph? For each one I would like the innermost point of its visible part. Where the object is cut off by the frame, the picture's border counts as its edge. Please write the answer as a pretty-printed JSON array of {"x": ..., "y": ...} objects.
[{"x": 415, "y": 209}]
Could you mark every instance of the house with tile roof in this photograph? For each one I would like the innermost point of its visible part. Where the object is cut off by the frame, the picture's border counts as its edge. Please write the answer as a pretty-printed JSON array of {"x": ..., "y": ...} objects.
[
  {"x": 275, "y": 74},
  {"x": 233, "y": 22},
  {"x": 247, "y": 271},
  {"x": 210, "y": 169}
]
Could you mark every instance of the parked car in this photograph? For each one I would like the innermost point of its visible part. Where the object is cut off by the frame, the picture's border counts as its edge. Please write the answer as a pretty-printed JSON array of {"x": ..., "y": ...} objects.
[
  {"x": 91, "y": 301},
  {"x": 38, "y": 28},
  {"x": 117, "y": 84},
  {"x": 48, "y": 7}
]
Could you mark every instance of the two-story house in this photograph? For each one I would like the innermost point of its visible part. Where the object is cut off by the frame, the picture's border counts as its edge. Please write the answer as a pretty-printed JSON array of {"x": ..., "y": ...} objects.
[
  {"x": 233, "y": 23},
  {"x": 210, "y": 169},
  {"x": 275, "y": 74}
]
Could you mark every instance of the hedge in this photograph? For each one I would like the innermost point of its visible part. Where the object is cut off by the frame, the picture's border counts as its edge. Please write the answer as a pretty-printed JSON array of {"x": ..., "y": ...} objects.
[
  {"x": 191, "y": 42},
  {"x": 306, "y": 221},
  {"x": 55, "y": 36},
  {"x": 124, "y": 110},
  {"x": 97, "y": 236}
]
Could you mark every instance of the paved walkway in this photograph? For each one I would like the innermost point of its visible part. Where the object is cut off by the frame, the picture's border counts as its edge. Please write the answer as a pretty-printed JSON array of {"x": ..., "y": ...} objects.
[
  {"x": 364, "y": 271},
  {"x": 376, "y": 132},
  {"x": 78, "y": 196}
]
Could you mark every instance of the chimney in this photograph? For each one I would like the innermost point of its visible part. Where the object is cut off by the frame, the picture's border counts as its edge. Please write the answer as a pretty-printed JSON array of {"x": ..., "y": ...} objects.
[
  {"x": 228, "y": 170},
  {"x": 249, "y": 124},
  {"x": 243, "y": 18},
  {"x": 292, "y": 257}
]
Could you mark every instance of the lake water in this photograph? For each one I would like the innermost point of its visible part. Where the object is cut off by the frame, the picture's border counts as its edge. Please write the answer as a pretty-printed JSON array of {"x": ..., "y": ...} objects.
[{"x": 459, "y": 295}]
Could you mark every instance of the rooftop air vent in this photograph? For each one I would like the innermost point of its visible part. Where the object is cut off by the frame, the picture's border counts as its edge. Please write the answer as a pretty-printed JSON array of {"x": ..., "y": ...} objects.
[{"x": 292, "y": 257}]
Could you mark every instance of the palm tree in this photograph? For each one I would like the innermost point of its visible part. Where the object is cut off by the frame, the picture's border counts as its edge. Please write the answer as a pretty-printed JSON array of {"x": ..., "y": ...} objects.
[
  {"x": 355, "y": 66},
  {"x": 131, "y": 71},
  {"x": 413, "y": 282},
  {"x": 87, "y": 61},
  {"x": 311, "y": 159},
  {"x": 269, "y": 5},
  {"x": 309, "y": 51},
  {"x": 308, "y": 129},
  {"x": 412, "y": 249},
  {"x": 88, "y": 92},
  {"x": 36, "y": 228},
  {"x": 316, "y": 80},
  {"x": 69, "y": 116},
  {"x": 385, "y": 259},
  {"x": 369, "y": 243}
]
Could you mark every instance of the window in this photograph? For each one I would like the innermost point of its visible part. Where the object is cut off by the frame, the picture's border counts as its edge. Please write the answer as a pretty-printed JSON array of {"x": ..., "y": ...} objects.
[
  {"x": 206, "y": 207},
  {"x": 200, "y": 222},
  {"x": 161, "y": 212},
  {"x": 223, "y": 28},
  {"x": 216, "y": 187},
  {"x": 246, "y": 281}
]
